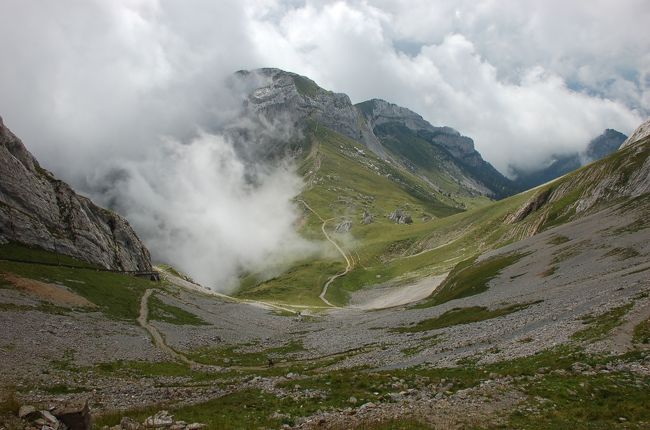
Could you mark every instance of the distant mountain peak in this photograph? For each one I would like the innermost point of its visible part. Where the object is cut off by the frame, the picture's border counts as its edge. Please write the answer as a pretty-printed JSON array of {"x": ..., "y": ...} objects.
[
  {"x": 599, "y": 147},
  {"x": 385, "y": 128}
]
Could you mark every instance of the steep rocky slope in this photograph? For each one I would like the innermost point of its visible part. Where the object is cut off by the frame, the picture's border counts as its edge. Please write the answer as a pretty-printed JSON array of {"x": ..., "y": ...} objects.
[
  {"x": 39, "y": 210},
  {"x": 619, "y": 178},
  {"x": 438, "y": 153}
]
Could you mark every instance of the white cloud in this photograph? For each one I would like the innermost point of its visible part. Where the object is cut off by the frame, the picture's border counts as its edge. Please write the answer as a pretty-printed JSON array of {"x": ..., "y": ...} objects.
[
  {"x": 195, "y": 206},
  {"x": 473, "y": 70}
]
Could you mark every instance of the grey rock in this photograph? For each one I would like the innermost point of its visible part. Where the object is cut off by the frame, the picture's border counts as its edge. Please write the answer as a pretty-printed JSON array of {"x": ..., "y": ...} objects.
[
  {"x": 398, "y": 216},
  {"x": 39, "y": 210},
  {"x": 25, "y": 410},
  {"x": 455, "y": 155},
  {"x": 344, "y": 226},
  {"x": 639, "y": 133},
  {"x": 128, "y": 424},
  {"x": 161, "y": 419},
  {"x": 285, "y": 100},
  {"x": 369, "y": 405},
  {"x": 76, "y": 416},
  {"x": 367, "y": 218}
]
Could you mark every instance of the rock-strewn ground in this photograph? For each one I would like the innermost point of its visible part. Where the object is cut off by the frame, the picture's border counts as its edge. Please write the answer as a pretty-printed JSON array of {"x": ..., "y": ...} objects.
[{"x": 588, "y": 267}]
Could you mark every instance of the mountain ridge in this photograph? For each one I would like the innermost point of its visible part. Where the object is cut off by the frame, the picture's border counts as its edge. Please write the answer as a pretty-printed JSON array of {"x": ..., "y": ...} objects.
[{"x": 286, "y": 95}]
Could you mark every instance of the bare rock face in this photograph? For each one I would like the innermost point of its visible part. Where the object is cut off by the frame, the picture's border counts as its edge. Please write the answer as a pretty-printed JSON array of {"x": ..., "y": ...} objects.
[
  {"x": 641, "y": 131},
  {"x": 380, "y": 112},
  {"x": 532, "y": 205},
  {"x": 410, "y": 138},
  {"x": 37, "y": 209},
  {"x": 283, "y": 95},
  {"x": 367, "y": 218}
]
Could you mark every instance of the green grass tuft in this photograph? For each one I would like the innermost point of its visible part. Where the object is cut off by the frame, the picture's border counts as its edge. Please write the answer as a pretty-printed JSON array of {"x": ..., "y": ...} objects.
[
  {"x": 642, "y": 333},
  {"x": 116, "y": 295},
  {"x": 599, "y": 326},
  {"x": 161, "y": 311},
  {"x": 459, "y": 316}
]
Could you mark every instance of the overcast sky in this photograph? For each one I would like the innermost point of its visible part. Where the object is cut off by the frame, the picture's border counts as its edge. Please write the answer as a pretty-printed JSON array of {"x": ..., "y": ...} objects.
[
  {"x": 524, "y": 79},
  {"x": 112, "y": 94}
]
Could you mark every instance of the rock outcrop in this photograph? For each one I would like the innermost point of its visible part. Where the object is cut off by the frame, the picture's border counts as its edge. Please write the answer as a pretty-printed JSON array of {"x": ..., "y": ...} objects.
[
  {"x": 39, "y": 210},
  {"x": 344, "y": 226},
  {"x": 398, "y": 216},
  {"x": 639, "y": 133},
  {"x": 409, "y": 137},
  {"x": 619, "y": 177}
]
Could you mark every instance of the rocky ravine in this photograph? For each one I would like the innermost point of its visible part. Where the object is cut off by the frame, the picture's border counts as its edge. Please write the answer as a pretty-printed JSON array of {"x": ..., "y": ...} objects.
[{"x": 37, "y": 209}]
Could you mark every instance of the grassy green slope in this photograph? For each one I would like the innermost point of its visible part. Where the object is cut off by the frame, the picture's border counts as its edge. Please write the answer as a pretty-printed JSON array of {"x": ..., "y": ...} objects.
[
  {"x": 343, "y": 180},
  {"x": 342, "y": 183}
]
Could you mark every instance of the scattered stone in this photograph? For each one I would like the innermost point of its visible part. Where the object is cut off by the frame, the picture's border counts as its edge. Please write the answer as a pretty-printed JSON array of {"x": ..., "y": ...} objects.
[
  {"x": 344, "y": 226},
  {"x": 368, "y": 405},
  {"x": 161, "y": 419},
  {"x": 367, "y": 218},
  {"x": 76, "y": 416},
  {"x": 352, "y": 400},
  {"x": 128, "y": 424},
  {"x": 398, "y": 216},
  {"x": 25, "y": 410}
]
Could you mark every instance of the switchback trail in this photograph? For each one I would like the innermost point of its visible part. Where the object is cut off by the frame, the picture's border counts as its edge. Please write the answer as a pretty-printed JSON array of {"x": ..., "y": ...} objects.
[{"x": 349, "y": 264}]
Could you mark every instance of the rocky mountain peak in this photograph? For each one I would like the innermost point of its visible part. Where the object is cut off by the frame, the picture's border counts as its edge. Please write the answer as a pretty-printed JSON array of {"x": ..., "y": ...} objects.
[
  {"x": 283, "y": 97},
  {"x": 277, "y": 94},
  {"x": 604, "y": 144}
]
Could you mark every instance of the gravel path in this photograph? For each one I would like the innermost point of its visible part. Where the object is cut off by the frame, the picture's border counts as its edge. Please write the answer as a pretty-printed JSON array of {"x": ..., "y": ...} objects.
[
  {"x": 143, "y": 321},
  {"x": 348, "y": 262}
]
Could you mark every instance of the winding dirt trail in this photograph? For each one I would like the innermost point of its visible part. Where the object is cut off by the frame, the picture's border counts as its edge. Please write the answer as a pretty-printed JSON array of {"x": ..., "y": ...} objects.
[
  {"x": 180, "y": 282},
  {"x": 348, "y": 261},
  {"x": 158, "y": 340}
]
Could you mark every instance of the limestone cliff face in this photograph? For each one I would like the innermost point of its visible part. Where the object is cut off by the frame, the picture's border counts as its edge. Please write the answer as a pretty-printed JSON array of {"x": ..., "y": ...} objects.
[
  {"x": 37, "y": 209},
  {"x": 283, "y": 94},
  {"x": 641, "y": 132}
]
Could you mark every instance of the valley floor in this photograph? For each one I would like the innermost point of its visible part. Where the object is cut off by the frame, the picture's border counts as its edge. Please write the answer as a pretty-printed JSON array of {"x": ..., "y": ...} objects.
[{"x": 560, "y": 338}]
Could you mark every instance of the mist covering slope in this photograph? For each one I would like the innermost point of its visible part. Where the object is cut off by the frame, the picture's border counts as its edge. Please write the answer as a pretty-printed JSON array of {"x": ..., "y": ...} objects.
[{"x": 599, "y": 147}]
